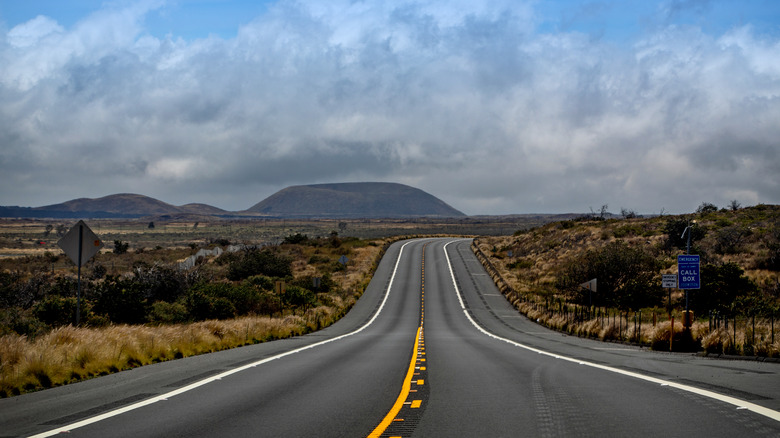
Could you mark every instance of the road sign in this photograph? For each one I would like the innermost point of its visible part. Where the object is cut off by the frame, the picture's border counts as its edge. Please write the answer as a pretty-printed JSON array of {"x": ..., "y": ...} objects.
[
  {"x": 80, "y": 243},
  {"x": 688, "y": 272},
  {"x": 343, "y": 260},
  {"x": 589, "y": 285},
  {"x": 669, "y": 281}
]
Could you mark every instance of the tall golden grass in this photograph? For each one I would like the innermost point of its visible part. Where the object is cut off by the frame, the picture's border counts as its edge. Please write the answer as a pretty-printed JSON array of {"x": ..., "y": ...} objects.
[{"x": 69, "y": 354}]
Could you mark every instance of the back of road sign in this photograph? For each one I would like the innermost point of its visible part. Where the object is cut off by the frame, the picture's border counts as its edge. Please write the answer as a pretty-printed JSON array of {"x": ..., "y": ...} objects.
[{"x": 90, "y": 244}]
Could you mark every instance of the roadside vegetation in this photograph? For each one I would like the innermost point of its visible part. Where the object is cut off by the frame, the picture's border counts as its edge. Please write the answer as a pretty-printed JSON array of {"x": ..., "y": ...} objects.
[
  {"x": 735, "y": 312},
  {"x": 139, "y": 307}
]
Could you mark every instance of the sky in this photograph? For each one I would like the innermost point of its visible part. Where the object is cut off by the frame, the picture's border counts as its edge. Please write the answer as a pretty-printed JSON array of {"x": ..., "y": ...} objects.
[{"x": 496, "y": 107}]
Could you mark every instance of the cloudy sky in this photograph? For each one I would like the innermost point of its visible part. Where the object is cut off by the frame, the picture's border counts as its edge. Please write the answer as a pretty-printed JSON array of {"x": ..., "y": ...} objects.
[{"x": 496, "y": 107}]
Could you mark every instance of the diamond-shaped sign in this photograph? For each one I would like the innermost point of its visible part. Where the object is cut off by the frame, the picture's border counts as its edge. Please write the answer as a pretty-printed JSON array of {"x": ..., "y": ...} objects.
[{"x": 80, "y": 239}]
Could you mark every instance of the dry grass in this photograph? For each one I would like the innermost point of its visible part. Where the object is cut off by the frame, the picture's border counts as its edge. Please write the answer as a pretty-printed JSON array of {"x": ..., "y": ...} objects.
[
  {"x": 68, "y": 354},
  {"x": 528, "y": 277}
]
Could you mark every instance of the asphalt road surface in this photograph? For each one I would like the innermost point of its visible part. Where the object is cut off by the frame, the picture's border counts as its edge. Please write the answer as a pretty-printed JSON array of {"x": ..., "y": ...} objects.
[{"x": 431, "y": 349}]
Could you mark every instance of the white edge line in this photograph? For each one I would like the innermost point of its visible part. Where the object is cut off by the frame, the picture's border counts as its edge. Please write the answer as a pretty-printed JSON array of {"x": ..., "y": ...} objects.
[
  {"x": 740, "y": 404},
  {"x": 140, "y": 404}
]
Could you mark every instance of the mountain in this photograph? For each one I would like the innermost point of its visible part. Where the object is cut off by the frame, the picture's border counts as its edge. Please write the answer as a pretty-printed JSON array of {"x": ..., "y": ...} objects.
[
  {"x": 203, "y": 209},
  {"x": 345, "y": 200},
  {"x": 354, "y": 200},
  {"x": 123, "y": 203}
]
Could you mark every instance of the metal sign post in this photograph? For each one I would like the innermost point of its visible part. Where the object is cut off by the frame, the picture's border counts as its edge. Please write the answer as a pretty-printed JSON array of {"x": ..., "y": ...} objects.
[
  {"x": 669, "y": 281},
  {"x": 80, "y": 244},
  {"x": 591, "y": 287}
]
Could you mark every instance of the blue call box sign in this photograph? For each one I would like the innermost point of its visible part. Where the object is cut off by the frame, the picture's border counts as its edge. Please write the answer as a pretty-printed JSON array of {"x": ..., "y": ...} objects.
[{"x": 688, "y": 272}]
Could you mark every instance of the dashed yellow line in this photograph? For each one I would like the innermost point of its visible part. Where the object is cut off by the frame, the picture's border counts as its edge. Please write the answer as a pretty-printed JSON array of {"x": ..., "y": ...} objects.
[
  {"x": 399, "y": 403},
  {"x": 406, "y": 388}
]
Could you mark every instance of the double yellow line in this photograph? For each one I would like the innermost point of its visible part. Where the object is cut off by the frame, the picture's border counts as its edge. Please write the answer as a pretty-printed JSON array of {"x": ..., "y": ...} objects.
[
  {"x": 413, "y": 364},
  {"x": 399, "y": 403}
]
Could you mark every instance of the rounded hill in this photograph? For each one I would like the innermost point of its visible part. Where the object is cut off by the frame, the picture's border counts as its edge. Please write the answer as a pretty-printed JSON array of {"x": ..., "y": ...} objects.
[{"x": 354, "y": 200}]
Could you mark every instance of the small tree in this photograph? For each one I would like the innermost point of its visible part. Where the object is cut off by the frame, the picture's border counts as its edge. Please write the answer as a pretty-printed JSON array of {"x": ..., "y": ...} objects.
[
  {"x": 706, "y": 207},
  {"x": 258, "y": 262},
  {"x": 628, "y": 214},
  {"x": 721, "y": 288},
  {"x": 120, "y": 247}
]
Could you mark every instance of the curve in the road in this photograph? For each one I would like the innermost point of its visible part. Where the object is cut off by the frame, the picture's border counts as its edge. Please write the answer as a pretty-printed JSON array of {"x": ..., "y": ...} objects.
[{"x": 740, "y": 404}]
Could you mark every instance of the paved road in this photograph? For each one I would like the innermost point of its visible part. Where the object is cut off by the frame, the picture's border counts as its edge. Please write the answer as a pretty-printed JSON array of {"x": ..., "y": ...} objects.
[{"x": 479, "y": 369}]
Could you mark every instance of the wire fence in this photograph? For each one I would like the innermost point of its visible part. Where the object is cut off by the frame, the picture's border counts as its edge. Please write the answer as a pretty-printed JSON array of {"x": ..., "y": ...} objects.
[{"x": 741, "y": 333}]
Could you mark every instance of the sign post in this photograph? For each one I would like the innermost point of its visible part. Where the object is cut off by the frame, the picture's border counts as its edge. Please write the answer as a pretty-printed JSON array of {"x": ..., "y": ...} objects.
[
  {"x": 669, "y": 281},
  {"x": 80, "y": 244},
  {"x": 591, "y": 286}
]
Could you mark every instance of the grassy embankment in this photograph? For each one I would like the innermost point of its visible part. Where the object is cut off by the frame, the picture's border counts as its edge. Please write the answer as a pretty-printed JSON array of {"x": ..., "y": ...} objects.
[{"x": 530, "y": 279}]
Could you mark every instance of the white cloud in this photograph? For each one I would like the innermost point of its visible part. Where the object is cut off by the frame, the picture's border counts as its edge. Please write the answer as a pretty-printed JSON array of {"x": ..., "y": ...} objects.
[{"x": 465, "y": 101}]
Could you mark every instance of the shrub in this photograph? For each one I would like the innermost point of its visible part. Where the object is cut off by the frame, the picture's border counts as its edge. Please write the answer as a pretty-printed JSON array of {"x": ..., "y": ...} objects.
[
  {"x": 627, "y": 277},
  {"x": 298, "y": 238},
  {"x": 259, "y": 262},
  {"x": 159, "y": 282},
  {"x": 9, "y": 284},
  {"x": 56, "y": 310},
  {"x": 706, "y": 207},
  {"x": 122, "y": 300},
  {"x": 168, "y": 313},
  {"x": 261, "y": 281},
  {"x": 729, "y": 240},
  {"x": 721, "y": 286},
  {"x": 120, "y": 247},
  {"x": 299, "y": 297}
]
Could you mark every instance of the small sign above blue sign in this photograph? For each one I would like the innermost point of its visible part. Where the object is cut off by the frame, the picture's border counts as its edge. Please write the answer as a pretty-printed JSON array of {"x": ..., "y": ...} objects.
[{"x": 688, "y": 272}]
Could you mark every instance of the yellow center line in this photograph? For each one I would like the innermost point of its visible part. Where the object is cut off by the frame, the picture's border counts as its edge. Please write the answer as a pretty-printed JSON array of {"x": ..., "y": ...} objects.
[
  {"x": 399, "y": 403},
  {"x": 406, "y": 388}
]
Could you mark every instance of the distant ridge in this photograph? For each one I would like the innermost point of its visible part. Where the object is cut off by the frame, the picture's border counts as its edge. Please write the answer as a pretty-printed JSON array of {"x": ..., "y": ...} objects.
[
  {"x": 122, "y": 205},
  {"x": 353, "y": 200},
  {"x": 341, "y": 200}
]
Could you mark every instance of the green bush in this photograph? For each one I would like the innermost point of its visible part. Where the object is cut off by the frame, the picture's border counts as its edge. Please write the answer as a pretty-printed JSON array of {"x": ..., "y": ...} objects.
[
  {"x": 299, "y": 297},
  {"x": 259, "y": 262},
  {"x": 160, "y": 282},
  {"x": 57, "y": 311},
  {"x": 121, "y": 300},
  {"x": 721, "y": 288},
  {"x": 627, "y": 277},
  {"x": 169, "y": 313},
  {"x": 261, "y": 281}
]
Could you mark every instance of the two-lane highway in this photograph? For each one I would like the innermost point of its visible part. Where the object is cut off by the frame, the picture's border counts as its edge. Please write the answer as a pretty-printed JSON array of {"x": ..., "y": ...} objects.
[
  {"x": 338, "y": 382},
  {"x": 477, "y": 368}
]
